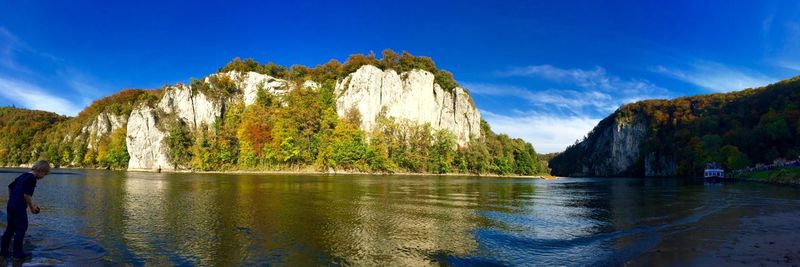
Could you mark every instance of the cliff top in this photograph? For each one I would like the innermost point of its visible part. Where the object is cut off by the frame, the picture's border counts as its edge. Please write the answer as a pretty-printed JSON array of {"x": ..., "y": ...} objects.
[{"x": 333, "y": 69}]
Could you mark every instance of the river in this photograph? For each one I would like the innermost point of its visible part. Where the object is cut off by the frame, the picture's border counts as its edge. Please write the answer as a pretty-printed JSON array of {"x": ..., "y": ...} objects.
[{"x": 92, "y": 217}]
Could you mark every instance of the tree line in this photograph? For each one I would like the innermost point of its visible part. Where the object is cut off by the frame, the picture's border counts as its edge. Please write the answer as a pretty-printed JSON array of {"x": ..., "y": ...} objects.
[{"x": 298, "y": 130}]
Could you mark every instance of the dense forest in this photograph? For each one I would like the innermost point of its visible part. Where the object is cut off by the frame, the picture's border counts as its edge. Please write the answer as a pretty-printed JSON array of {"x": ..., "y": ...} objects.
[
  {"x": 736, "y": 129},
  {"x": 299, "y": 130},
  {"x": 20, "y": 128},
  {"x": 29, "y": 135}
]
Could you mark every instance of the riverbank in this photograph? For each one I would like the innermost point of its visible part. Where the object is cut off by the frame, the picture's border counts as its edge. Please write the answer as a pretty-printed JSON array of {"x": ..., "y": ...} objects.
[
  {"x": 343, "y": 173},
  {"x": 765, "y": 240},
  {"x": 789, "y": 175},
  {"x": 756, "y": 234},
  {"x": 309, "y": 172}
]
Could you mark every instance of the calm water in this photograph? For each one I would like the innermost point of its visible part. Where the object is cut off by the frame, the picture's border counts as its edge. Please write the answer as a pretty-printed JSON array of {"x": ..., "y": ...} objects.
[{"x": 104, "y": 217}]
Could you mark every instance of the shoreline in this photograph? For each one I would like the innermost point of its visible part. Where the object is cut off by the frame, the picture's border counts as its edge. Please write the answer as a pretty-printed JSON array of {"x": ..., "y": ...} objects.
[
  {"x": 764, "y": 239},
  {"x": 795, "y": 183},
  {"x": 789, "y": 181},
  {"x": 789, "y": 175},
  {"x": 339, "y": 173},
  {"x": 310, "y": 172}
]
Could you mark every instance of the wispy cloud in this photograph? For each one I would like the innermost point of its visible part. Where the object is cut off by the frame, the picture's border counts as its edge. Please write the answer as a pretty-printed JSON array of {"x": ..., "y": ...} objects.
[
  {"x": 596, "y": 79},
  {"x": 17, "y": 76},
  {"x": 547, "y": 133},
  {"x": 556, "y": 118},
  {"x": 33, "y": 97},
  {"x": 596, "y": 92},
  {"x": 787, "y": 49},
  {"x": 716, "y": 77},
  {"x": 787, "y": 64},
  {"x": 570, "y": 101},
  {"x": 8, "y": 44}
]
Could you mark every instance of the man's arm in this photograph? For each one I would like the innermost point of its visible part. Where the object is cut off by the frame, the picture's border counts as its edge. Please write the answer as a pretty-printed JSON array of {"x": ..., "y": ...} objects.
[{"x": 33, "y": 207}]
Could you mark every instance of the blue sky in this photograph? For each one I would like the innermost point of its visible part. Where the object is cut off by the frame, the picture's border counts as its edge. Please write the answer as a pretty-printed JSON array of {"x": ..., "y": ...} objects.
[{"x": 544, "y": 72}]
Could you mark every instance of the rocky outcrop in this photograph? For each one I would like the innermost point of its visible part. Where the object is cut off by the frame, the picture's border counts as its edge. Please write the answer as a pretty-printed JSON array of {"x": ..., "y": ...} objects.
[
  {"x": 180, "y": 102},
  {"x": 145, "y": 141},
  {"x": 252, "y": 82},
  {"x": 102, "y": 126},
  {"x": 412, "y": 96},
  {"x": 612, "y": 149},
  {"x": 615, "y": 148},
  {"x": 193, "y": 108},
  {"x": 146, "y": 133},
  {"x": 659, "y": 165},
  {"x": 309, "y": 84},
  {"x": 626, "y": 138}
]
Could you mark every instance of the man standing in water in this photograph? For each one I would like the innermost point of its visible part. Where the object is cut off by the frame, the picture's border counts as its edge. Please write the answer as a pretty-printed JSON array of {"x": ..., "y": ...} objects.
[{"x": 20, "y": 197}]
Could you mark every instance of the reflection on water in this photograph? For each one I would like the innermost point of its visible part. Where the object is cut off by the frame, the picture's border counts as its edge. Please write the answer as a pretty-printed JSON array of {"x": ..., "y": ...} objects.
[{"x": 105, "y": 217}]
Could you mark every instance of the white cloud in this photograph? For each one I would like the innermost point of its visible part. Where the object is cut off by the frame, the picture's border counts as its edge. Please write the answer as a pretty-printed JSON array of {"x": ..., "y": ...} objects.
[
  {"x": 717, "y": 77},
  {"x": 571, "y": 101},
  {"x": 596, "y": 79},
  {"x": 598, "y": 93},
  {"x": 547, "y": 133},
  {"x": 34, "y": 97},
  {"x": 559, "y": 117},
  {"x": 794, "y": 66},
  {"x": 16, "y": 74}
]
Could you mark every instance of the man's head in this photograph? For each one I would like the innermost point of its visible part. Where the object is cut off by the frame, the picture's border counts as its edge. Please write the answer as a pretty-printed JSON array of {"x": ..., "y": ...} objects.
[{"x": 40, "y": 169}]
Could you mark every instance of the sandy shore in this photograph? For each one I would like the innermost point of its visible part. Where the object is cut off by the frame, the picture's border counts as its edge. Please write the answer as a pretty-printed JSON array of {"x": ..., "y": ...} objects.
[
  {"x": 765, "y": 240},
  {"x": 726, "y": 239}
]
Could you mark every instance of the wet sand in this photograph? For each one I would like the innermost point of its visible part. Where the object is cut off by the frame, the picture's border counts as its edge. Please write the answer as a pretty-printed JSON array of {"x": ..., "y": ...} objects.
[
  {"x": 761, "y": 239},
  {"x": 764, "y": 240}
]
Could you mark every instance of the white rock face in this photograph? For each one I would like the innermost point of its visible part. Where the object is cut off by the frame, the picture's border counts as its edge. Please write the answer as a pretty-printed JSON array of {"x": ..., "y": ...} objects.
[
  {"x": 252, "y": 82},
  {"x": 194, "y": 109},
  {"x": 410, "y": 95},
  {"x": 309, "y": 84},
  {"x": 628, "y": 137},
  {"x": 101, "y": 126},
  {"x": 145, "y": 141},
  {"x": 614, "y": 149}
]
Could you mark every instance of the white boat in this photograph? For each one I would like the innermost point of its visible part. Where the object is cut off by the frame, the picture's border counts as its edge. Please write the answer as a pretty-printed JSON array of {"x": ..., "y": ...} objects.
[{"x": 713, "y": 172}]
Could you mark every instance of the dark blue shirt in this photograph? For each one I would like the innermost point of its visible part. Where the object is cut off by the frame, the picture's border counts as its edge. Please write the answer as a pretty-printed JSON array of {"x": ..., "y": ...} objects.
[{"x": 24, "y": 184}]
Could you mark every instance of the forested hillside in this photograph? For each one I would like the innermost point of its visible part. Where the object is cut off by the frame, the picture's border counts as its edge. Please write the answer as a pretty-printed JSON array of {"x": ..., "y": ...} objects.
[
  {"x": 678, "y": 137},
  {"x": 291, "y": 125}
]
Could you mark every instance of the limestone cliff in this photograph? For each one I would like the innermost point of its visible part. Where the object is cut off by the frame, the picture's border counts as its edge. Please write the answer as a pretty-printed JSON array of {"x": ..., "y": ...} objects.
[
  {"x": 145, "y": 141},
  {"x": 611, "y": 149},
  {"x": 251, "y": 82},
  {"x": 85, "y": 140},
  {"x": 411, "y": 95},
  {"x": 101, "y": 126},
  {"x": 678, "y": 137},
  {"x": 146, "y": 130},
  {"x": 146, "y": 126},
  {"x": 194, "y": 108}
]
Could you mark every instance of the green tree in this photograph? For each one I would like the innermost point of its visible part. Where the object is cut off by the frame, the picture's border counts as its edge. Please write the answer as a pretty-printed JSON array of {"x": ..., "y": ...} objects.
[
  {"x": 349, "y": 150},
  {"x": 179, "y": 143},
  {"x": 442, "y": 152},
  {"x": 117, "y": 156},
  {"x": 735, "y": 159}
]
